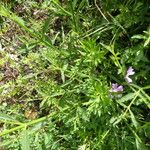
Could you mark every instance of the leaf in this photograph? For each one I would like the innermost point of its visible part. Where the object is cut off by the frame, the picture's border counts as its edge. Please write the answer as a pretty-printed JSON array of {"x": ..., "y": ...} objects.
[
  {"x": 4, "y": 143},
  {"x": 46, "y": 25},
  {"x": 63, "y": 76},
  {"x": 18, "y": 20},
  {"x": 138, "y": 37},
  {"x": 7, "y": 118},
  {"x": 6, "y": 13},
  {"x": 126, "y": 97},
  {"x": 147, "y": 41},
  {"x": 25, "y": 141},
  {"x": 135, "y": 123},
  {"x": 62, "y": 11},
  {"x": 82, "y": 147},
  {"x": 3, "y": 11}
]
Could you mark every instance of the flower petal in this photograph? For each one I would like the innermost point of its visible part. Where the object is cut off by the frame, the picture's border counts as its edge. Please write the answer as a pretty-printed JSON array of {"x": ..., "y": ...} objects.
[
  {"x": 114, "y": 85},
  {"x": 116, "y": 88},
  {"x": 130, "y": 71},
  {"x": 120, "y": 88},
  {"x": 129, "y": 80}
]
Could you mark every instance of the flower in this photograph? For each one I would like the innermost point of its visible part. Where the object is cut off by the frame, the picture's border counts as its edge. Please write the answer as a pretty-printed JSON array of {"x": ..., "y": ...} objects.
[
  {"x": 116, "y": 88},
  {"x": 130, "y": 72}
]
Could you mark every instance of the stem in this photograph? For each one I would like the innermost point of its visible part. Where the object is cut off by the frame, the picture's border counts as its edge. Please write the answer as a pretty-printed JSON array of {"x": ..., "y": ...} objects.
[{"x": 26, "y": 124}]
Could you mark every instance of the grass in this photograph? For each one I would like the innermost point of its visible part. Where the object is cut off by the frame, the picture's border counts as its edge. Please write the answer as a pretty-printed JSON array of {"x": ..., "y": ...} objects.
[{"x": 58, "y": 61}]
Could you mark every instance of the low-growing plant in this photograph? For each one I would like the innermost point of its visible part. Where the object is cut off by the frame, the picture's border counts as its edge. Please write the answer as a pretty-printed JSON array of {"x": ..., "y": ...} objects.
[{"x": 74, "y": 75}]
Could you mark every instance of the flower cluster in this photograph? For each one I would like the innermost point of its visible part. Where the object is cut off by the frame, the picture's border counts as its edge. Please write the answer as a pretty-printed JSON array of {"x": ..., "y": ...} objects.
[{"x": 119, "y": 88}]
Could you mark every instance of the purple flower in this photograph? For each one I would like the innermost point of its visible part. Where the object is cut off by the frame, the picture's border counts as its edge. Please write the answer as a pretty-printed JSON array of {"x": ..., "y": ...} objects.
[
  {"x": 116, "y": 88},
  {"x": 130, "y": 71}
]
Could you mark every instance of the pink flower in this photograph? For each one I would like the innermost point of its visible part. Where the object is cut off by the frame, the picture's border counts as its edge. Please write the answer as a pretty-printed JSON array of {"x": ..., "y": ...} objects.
[
  {"x": 116, "y": 88},
  {"x": 130, "y": 72}
]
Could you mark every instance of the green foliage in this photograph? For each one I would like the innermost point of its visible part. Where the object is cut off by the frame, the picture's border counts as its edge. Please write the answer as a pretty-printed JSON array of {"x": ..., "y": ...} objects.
[{"x": 58, "y": 60}]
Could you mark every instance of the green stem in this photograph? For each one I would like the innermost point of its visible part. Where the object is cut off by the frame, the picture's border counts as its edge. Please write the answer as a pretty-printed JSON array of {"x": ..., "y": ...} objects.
[{"x": 26, "y": 124}]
